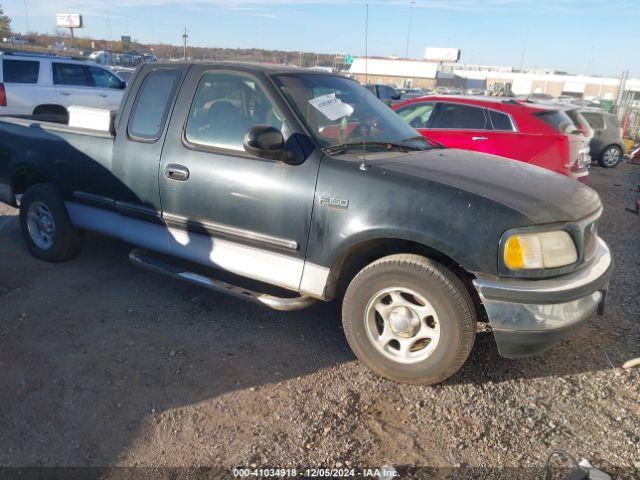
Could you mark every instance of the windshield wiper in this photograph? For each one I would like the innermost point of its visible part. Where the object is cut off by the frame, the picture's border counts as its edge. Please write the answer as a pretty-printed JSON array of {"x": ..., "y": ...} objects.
[
  {"x": 431, "y": 143},
  {"x": 343, "y": 147}
]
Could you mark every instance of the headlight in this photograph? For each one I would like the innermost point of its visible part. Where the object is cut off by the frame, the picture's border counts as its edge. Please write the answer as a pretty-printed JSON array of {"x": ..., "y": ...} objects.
[{"x": 527, "y": 251}]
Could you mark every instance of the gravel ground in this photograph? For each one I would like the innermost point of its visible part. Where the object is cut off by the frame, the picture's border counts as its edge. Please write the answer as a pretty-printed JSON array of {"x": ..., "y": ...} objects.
[{"x": 104, "y": 364}]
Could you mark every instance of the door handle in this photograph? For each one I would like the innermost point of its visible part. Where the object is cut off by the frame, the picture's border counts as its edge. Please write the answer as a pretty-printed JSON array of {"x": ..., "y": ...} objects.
[
  {"x": 476, "y": 139},
  {"x": 65, "y": 93},
  {"x": 176, "y": 172},
  {"x": 103, "y": 95}
]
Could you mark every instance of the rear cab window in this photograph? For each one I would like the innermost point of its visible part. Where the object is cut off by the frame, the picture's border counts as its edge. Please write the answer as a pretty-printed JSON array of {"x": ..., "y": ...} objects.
[
  {"x": 20, "y": 71},
  {"x": 151, "y": 107}
]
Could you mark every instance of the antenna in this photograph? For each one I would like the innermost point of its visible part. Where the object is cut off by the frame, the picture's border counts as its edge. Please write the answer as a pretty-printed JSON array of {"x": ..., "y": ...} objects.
[{"x": 363, "y": 165}]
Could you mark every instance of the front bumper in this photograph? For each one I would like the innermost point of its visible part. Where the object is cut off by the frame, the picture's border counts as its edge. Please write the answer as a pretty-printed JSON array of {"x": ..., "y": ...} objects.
[{"x": 529, "y": 316}]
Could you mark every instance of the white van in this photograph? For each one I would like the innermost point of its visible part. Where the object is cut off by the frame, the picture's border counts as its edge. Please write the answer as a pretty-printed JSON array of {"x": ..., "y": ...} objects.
[{"x": 45, "y": 86}]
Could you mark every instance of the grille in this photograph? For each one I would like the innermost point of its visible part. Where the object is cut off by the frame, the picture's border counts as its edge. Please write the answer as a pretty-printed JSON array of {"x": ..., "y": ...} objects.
[{"x": 590, "y": 240}]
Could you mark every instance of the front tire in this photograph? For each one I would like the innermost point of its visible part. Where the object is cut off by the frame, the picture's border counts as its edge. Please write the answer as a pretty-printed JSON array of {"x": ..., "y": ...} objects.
[
  {"x": 409, "y": 319},
  {"x": 46, "y": 228},
  {"x": 610, "y": 156}
]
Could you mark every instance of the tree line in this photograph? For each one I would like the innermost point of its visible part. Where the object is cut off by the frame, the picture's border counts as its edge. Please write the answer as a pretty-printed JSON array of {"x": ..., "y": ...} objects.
[
  {"x": 167, "y": 51},
  {"x": 5, "y": 24}
]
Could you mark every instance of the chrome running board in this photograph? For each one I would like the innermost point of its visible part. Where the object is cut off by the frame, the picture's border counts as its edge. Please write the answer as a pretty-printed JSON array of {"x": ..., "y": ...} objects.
[{"x": 150, "y": 262}]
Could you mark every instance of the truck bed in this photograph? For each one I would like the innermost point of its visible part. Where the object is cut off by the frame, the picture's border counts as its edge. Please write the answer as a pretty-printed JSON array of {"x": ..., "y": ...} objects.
[{"x": 63, "y": 154}]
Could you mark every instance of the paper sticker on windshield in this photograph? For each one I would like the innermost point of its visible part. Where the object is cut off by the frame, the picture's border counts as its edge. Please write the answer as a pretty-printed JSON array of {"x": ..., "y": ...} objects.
[{"x": 331, "y": 107}]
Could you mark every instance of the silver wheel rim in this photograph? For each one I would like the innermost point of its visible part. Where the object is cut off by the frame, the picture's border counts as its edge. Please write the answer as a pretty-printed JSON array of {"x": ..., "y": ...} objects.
[
  {"x": 402, "y": 325},
  {"x": 41, "y": 226},
  {"x": 611, "y": 156}
]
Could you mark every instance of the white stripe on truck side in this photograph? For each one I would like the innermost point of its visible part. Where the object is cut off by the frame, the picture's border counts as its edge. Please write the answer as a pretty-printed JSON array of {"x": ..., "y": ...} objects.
[{"x": 251, "y": 262}]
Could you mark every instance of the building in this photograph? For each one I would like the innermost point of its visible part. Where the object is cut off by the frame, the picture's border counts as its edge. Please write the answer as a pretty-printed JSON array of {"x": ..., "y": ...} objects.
[
  {"x": 554, "y": 84},
  {"x": 416, "y": 73},
  {"x": 399, "y": 73}
]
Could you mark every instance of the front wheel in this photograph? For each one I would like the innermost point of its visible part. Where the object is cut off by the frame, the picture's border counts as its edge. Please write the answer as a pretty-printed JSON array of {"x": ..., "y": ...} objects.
[
  {"x": 46, "y": 228},
  {"x": 409, "y": 319},
  {"x": 610, "y": 157}
]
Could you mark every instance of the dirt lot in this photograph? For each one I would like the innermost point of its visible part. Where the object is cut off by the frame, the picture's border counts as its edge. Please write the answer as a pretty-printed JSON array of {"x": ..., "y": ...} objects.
[{"x": 105, "y": 364}]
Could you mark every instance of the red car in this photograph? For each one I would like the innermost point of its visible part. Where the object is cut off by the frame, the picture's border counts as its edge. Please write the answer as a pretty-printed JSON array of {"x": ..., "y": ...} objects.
[{"x": 542, "y": 135}]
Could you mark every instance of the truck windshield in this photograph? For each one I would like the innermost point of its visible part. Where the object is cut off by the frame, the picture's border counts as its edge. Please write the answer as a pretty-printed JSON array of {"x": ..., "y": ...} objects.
[{"x": 339, "y": 111}]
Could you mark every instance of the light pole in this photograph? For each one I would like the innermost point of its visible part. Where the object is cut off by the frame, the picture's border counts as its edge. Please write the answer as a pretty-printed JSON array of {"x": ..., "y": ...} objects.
[
  {"x": 524, "y": 47},
  {"x": 26, "y": 16},
  {"x": 185, "y": 36},
  {"x": 406, "y": 52}
]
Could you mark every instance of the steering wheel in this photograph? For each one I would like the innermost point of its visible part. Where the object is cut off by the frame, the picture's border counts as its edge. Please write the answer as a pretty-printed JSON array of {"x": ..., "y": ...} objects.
[{"x": 365, "y": 129}]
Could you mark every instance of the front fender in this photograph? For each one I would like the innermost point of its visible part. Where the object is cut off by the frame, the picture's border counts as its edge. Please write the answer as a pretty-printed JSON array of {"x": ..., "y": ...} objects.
[{"x": 382, "y": 204}]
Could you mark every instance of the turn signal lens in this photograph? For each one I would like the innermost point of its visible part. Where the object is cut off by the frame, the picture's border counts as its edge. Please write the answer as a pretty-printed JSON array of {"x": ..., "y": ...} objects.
[
  {"x": 539, "y": 250},
  {"x": 513, "y": 255}
]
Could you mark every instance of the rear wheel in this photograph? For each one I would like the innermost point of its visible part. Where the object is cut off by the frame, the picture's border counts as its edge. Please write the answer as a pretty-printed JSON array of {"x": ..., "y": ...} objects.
[
  {"x": 610, "y": 156},
  {"x": 46, "y": 228},
  {"x": 409, "y": 319}
]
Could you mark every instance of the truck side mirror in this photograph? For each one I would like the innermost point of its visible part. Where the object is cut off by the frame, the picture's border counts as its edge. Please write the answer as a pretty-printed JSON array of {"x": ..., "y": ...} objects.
[{"x": 265, "y": 141}]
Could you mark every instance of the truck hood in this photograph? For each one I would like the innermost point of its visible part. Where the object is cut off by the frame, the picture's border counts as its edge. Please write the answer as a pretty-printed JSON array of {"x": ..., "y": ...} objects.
[{"x": 542, "y": 195}]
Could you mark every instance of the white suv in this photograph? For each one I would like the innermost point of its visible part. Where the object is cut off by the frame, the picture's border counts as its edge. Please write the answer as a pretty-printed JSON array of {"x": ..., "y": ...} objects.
[{"x": 45, "y": 86}]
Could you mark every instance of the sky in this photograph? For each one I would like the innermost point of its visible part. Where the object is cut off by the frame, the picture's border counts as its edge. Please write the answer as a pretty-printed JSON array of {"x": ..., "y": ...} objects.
[{"x": 577, "y": 36}]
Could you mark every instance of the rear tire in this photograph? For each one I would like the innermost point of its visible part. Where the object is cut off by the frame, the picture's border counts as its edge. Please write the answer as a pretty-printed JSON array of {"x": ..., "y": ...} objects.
[
  {"x": 610, "y": 156},
  {"x": 409, "y": 319},
  {"x": 46, "y": 228}
]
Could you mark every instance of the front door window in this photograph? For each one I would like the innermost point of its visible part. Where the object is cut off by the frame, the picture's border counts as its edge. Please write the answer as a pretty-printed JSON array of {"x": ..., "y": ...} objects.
[{"x": 225, "y": 108}]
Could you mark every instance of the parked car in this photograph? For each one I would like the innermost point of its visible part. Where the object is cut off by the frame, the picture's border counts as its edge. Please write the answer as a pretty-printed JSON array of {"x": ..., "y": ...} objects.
[
  {"x": 582, "y": 135},
  {"x": 538, "y": 96},
  {"x": 475, "y": 91},
  {"x": 607, "y": 146},
  {"x": 61, "y": 46},
  {"x": 123, "y": 73},
  {"x": 407, "y": 93},
  {"x": 230, "y": 166},
  {"x": 387, "y": 94},
  {"x": 540, "y": 135},
  {"x": 102, "y": 57},
  {"x": 15, "y": 41},
  {"x": 579, "y": 121},
  {"x": 564, "y": 99},
  {"x": 447, "y": 91},
  {"x": 45, "y": 86}
]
